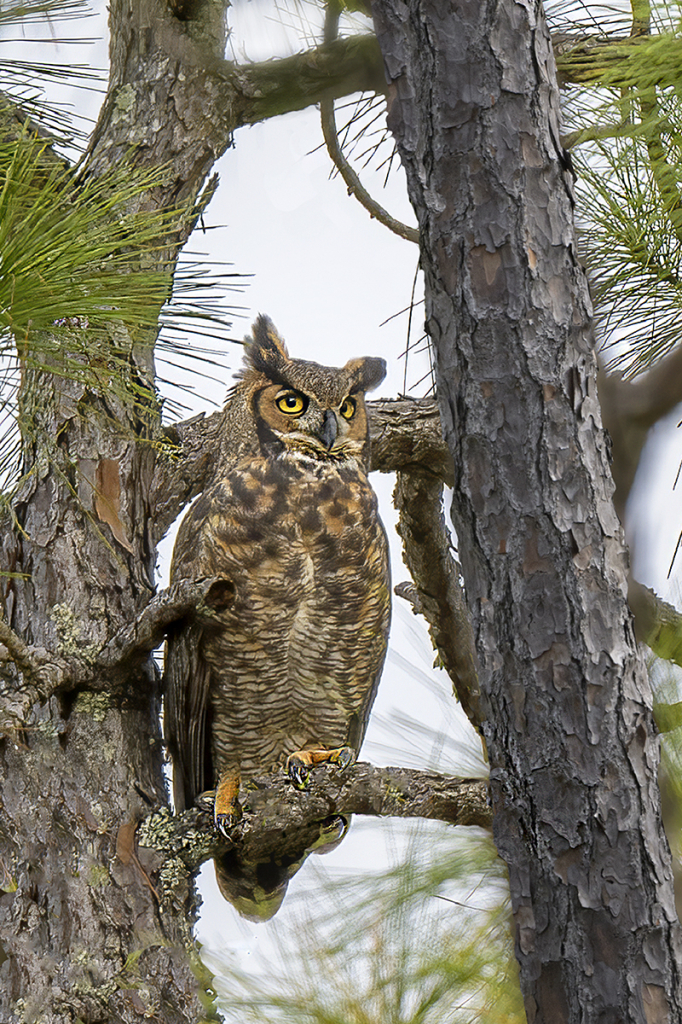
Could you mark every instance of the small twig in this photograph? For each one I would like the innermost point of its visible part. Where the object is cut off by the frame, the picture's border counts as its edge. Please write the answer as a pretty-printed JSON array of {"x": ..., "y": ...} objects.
[{"x": 20, "y": 653}]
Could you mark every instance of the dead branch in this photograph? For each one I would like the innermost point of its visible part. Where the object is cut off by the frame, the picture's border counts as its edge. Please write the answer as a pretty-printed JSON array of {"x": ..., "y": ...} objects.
[{"x": 42, "y": 673}]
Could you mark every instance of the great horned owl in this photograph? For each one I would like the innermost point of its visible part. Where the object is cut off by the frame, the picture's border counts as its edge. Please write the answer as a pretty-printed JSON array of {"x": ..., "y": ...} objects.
[{"x": 288, "y": 672}]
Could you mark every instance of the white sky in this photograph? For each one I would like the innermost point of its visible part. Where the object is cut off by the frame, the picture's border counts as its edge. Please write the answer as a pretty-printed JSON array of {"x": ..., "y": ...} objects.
[{"x": 329, "y": 277}]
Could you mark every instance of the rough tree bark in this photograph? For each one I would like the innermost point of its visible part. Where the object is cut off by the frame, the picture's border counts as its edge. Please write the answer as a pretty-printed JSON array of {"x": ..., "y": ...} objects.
[{"x": 565, "y": 699}]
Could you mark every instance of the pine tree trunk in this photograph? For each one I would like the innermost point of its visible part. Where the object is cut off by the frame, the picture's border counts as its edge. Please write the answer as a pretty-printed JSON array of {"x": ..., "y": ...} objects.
[
  {"x": 86, "y": 935},
  {"x": 565, "y": 698}
]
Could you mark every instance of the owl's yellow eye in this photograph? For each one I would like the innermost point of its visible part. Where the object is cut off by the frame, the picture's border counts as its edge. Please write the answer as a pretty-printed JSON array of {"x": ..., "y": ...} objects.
[
  {"x": 347, "y": 409},
  {"x": 292, "y": 403}
]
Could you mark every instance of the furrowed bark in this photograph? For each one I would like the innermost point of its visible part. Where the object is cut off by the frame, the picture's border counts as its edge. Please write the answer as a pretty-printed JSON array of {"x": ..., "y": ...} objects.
[{"x": 565, "y": 697}]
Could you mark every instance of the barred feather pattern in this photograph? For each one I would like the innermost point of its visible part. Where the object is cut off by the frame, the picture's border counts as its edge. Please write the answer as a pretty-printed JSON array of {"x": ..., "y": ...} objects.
[{"x": 293, "y": 661}]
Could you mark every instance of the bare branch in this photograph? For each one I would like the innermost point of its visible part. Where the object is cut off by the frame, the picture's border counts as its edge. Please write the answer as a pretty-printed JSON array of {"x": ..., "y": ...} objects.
[
  {"x": 331, "y": 138},
  {"x": 327, "y": 72},
  {"x": 405, "y": 431},
  {"x": 355, "y": 186},
  {"x": 136, "y": 641},
  {"x": 630, "y": 409},
  {"x": 426, "y": 552},
  {"x": 44, "y": 673}
]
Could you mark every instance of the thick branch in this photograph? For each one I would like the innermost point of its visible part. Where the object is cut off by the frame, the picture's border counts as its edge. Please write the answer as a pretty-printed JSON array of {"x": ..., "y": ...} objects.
[
  {"x": 136, "y": 641},
  {"x": 630, "y": 409},
  {"x": 405, "y": 431},
  {"x": 273, "y": 812},
  {"x": 327, "y": 72},
  {"x": 417, "y": 497},
  {"x": 585, "y": 60},
  {"x": 45, "y": 673}
]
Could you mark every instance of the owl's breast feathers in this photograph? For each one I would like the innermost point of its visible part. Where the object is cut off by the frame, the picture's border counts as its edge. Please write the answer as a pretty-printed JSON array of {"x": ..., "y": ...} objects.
[{"x": 295, "y": 659}]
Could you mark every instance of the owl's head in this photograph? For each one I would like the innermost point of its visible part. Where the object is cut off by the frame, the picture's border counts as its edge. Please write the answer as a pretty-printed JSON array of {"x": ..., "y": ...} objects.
[{"x": 303, "y": 408}]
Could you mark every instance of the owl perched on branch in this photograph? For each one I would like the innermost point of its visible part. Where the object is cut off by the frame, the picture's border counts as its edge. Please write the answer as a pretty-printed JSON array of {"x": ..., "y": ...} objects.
[{"x": 286, "y": 671}]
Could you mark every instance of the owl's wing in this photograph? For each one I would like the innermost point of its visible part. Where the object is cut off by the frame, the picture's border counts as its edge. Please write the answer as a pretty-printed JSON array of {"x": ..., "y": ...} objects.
[{"x": 187, "y": 679}]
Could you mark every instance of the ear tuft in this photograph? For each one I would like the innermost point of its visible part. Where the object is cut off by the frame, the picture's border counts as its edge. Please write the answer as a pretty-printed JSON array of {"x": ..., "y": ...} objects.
[
  {"x": 368, "y": 373},
  {"x": 267, "y": 352}
]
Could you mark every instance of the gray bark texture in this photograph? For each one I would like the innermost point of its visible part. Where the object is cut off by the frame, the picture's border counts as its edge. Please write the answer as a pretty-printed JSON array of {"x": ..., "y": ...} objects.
[{"x": 565, "y": 701}]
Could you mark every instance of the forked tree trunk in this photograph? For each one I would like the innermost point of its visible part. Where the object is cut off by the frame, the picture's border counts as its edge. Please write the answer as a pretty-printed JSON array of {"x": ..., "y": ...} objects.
[
  {"x": 565, "y": 699},
  {"x": 85, "y": 931}
]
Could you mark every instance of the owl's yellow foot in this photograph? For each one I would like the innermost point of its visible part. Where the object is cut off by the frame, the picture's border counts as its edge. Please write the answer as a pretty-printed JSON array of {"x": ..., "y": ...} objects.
[
  {"x": 301, "y": 762},
  {"x": 226, "y": 809}
]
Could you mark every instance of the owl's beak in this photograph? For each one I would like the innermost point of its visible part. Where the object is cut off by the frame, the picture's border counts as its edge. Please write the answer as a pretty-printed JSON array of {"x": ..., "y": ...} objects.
[{"x": 330, "y": 429}]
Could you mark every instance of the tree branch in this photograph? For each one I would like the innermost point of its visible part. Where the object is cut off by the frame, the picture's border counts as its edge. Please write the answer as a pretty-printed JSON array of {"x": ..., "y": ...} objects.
[
  {"x": 426, "y": 552},
  {"x": 353, "y": 183},
  {"x": 586, "y": 60},
  {"x": 136, "y": 641},
  {"x": 405, "y": 431},
  {"x": 331, "y": 138},
  {"x": 327, "y": 72},
  {"x": 630, "y": 409},
  {"x": 275, "y": 816},
  {"x": 45, "y": 673}
]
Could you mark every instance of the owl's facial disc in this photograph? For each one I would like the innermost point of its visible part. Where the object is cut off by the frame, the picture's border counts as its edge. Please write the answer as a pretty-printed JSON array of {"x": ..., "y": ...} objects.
[{"x": 302, "y": 424}]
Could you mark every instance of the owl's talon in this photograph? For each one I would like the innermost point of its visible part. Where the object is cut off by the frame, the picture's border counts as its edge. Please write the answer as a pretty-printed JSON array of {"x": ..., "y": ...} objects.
[
  {"x": 343, "y": 758},
  {"x": 224, "y": 823},
  {"x": 333, "y": 828},
  {"x": 298, "y": 771}
]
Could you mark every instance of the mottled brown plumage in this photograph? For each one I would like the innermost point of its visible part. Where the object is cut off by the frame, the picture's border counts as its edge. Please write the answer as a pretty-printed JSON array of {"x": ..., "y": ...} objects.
[{"x": 293, "y": 660}]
